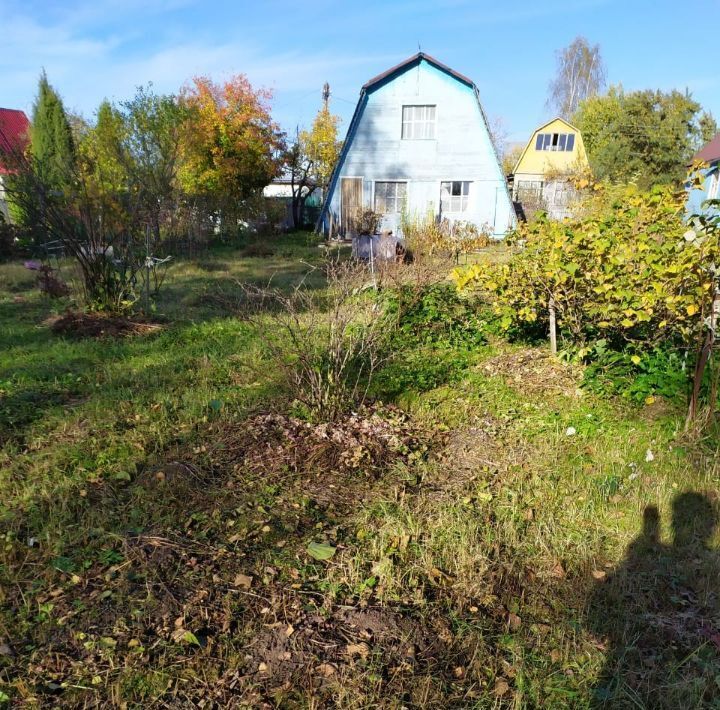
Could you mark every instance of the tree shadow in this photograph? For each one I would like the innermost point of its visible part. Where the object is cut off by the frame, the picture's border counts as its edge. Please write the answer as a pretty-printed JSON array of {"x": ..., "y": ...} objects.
[{"x": 659, "y": 615}]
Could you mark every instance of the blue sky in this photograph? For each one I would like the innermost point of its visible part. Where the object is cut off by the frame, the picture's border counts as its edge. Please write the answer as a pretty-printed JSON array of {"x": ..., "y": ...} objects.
[{"x": 93, "y": 49}]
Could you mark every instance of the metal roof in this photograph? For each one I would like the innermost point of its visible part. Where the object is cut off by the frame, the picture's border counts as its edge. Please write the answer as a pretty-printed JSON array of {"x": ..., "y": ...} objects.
[
  {"x": 14, "y": 127},
  {"x": 416, "y": 59},
  {"x": 710, "y": 151}
]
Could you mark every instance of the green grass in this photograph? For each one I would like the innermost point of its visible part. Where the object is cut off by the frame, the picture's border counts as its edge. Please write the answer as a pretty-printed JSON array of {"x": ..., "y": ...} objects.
[{"x": 504, "y": 567}]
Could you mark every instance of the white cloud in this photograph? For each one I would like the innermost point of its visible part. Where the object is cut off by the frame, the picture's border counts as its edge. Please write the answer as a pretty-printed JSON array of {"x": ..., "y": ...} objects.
[{"x": 87, "y": 64}]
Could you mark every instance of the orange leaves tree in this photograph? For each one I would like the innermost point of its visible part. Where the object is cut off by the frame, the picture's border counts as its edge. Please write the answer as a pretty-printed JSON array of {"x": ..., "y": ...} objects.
[{"x": 231, "y": 146}]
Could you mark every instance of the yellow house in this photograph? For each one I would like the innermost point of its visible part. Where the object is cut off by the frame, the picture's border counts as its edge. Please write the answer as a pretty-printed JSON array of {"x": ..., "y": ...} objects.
[{"x": 541, "y": 179}]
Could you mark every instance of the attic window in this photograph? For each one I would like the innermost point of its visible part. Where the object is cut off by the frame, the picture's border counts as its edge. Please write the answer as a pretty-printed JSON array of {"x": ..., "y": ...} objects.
[
  {"x": 418, "y": 122},
  {"x": 555, "y": 141},
  {"x": 454, "y": 196}
]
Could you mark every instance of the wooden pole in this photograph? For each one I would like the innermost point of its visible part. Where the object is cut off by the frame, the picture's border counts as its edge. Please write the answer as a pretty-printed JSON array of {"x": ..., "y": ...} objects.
[{"x": 553, "y": 325}]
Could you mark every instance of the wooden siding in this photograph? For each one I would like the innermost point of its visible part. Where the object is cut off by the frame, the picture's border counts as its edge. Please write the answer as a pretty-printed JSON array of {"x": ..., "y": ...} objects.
[
  {"x": 461, "y": 150},
  {"x": 533, "y": 163}
]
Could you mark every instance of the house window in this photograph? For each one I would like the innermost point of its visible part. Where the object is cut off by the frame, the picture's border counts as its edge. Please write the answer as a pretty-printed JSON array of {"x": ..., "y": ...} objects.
[
  {"x": 390, "y": 197},
  {"x": 564, "y": 193},
  {"x": 712, "y": 193},
  {"x": 529, "y": 191},
  {"x": 555, "y": 141},
  {"x": 454, "y": 196},
  {"x": 418, "y": 122}
]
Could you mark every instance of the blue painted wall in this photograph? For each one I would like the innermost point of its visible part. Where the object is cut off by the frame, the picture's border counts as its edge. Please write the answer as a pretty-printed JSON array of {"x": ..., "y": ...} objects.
[
  {"x": 461, "y": 150},
  {"x": 698, "y": 196}
]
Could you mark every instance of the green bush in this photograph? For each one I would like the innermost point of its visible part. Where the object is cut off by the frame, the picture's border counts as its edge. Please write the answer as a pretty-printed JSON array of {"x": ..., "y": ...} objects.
[
  {"x": 420, "y": 371},
  {"x": 435, "y": 315},
  {"x": 637, "y": 375},
  {"x": 433, "y": 332}
]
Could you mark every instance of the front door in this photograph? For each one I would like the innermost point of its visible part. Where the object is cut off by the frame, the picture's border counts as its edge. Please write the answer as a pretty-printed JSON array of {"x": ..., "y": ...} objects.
[{"x": 351, "y": 195}]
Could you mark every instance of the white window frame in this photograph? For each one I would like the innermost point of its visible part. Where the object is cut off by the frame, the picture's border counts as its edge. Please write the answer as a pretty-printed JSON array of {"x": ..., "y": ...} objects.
[
  {"x": 458, "y": 203},
  {"x": 394, "y": 197},
  {"x": 714, "y": 187},
  {"x": 532, "y": 189},
  {"x": 416, "y": 128}
]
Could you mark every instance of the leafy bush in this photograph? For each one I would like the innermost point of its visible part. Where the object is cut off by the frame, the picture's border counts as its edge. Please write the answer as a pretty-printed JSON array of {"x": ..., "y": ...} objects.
[
  {"x": 435, "y": 315},
  {"x": 431, "y": 341},
  {"x": 636, "y": 376},
  {"x": 420, "y": 371},
  {"x": 629, "y": 271}
]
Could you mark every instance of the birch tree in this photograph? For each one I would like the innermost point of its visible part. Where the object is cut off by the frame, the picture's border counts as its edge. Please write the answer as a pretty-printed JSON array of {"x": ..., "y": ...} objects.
[{"x": 580, "y": 74}]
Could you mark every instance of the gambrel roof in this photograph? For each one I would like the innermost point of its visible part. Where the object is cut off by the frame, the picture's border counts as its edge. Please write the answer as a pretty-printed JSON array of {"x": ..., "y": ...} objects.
[
  {"x": 411, "y": 61},
  {"x": 382, "y": 79},
  {"x": 539, "y": 129}
]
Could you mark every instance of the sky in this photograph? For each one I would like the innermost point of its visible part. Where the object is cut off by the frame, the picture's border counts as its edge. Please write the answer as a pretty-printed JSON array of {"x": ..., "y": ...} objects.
[{"x": 96, "y": 49}]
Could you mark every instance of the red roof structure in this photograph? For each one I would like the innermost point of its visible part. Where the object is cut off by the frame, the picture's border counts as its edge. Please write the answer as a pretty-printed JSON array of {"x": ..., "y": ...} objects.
[
  {"x": 14, "y": 132},
  {"x": 710, "y": 152}
]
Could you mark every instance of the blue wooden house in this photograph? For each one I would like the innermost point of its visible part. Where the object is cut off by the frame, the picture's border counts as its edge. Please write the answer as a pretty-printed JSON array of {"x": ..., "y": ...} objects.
[
  {"x": 418, "y": 144},
  {"x": 710, "y": 155}
]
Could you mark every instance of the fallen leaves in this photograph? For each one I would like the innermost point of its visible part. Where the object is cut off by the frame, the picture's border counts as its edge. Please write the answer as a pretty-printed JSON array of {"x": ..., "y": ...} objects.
[
  {"x": 501, "y": 688},
  {"x": 320, "y": 550},
  {"x": 358, "y": 649},
  {"x": 243, "y": 581}
]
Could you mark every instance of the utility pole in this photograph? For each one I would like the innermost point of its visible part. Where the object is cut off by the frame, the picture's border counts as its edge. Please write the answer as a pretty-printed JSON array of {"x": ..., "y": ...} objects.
[{"x": 326, "y": 94}]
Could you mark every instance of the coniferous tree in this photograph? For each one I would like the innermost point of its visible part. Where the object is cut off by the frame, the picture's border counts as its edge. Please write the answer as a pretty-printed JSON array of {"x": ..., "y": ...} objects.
[{"x": 51, "y": 139}]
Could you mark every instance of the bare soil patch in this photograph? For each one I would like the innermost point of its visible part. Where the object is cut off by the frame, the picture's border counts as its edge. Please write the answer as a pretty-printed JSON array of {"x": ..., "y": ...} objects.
[
  {"x": 535, "y": 371},
  {"x": 97, "y": 325}
]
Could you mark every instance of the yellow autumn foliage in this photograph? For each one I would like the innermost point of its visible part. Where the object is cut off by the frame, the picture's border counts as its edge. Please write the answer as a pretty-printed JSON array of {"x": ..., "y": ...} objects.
[{"x": 629, "y": 268}]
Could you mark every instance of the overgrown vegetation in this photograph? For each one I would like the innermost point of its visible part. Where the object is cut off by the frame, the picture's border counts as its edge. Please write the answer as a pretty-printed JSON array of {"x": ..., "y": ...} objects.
[
  {"x": 176, "y": 532},
  {"x": 628, "y": 276},
  {"x": 429, "y": 236},
  {"x": 151, "y": 174}
]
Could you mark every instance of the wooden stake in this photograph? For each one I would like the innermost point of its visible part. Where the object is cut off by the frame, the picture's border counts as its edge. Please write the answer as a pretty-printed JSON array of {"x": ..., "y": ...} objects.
[
  {"x": 703, "y": 357},
  {"x": 553, "y": 326}
]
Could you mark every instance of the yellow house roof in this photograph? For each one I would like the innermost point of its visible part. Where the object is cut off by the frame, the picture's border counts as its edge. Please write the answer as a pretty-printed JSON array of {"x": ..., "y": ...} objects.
[{"x": 542, "y": 162}]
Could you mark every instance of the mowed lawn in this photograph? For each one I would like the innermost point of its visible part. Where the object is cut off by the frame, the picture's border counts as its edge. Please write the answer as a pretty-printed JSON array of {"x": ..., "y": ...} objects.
[{"x": 525, "y": 544}]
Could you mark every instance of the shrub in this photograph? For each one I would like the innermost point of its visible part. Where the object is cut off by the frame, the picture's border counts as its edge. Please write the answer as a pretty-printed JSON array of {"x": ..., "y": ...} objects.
[
  {"x": 629, "y": 272},
  {"x": 429, "y": 236},
  {"x": 431, "y": 341},
  {"x": 327, "y": 345},
  {"x": 435, "y": 314},
  {"x": 367, "y": 221},
  {"x": 639, "y": 377}
]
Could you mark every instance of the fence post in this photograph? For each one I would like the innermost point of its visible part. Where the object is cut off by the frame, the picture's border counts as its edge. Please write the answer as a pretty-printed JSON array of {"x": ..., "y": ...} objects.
[
  {"x": 553, "y": 325},
  {"x": 704, "y": 356},
  {"x": 147, "y": 269}
]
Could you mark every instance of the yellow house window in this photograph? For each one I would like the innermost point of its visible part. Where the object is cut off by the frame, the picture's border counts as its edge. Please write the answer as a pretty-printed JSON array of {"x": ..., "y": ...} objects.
[{"x": 555, "y": 141}]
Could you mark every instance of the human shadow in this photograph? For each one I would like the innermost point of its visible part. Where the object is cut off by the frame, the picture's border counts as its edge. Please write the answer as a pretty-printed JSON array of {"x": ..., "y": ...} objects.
[{"x": 658, "y": 615}]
